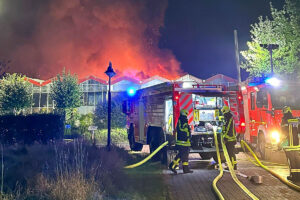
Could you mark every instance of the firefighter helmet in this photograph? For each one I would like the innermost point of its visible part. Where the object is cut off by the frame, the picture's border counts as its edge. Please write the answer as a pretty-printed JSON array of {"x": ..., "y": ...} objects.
[
  {"x": 225, "y": 109},
  {"x": 184, "y": 112},
  {"x": 286, "y": 109}
]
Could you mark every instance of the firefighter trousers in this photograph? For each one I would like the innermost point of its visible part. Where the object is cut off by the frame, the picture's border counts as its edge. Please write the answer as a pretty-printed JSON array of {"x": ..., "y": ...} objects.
[
  {"x": 294, "y": 137},
  {"x": 183, "y": 156},
  {"x": 293, "y": 157},
  {"x": 231, "y": 152}
]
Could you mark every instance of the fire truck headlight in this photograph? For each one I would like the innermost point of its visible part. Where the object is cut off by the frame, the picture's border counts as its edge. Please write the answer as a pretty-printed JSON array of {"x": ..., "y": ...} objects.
[
  {"x": 275, "y": 137},
  {"x": 273, "y": 81}
]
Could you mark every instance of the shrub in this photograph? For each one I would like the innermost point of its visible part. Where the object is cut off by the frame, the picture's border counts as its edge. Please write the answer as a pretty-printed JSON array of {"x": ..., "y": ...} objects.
[
  {"x": 77, "y": 170},
  {"x": 71, "y": 186},
  {"x": 118, "y": 118},
  {"x": 92, "y": 170},
  {"x": 85, "y": 122},
  {"x": 15, "y": 94},
  {"x": 118, "y": 135},
  {"x": 31, "y": 128}
]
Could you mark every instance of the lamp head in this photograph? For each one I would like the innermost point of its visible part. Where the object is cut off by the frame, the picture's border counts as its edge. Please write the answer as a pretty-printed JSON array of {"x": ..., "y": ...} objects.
[{"x": 110, "y": 71}]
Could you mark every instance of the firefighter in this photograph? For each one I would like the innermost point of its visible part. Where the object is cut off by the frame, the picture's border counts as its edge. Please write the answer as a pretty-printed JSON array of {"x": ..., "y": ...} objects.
[
  {"x": 228, "y": 135},
  {"x": 292, "y": 156},
  {"x": 287, "y": 115},
  {"x": 183, "y": 143}
]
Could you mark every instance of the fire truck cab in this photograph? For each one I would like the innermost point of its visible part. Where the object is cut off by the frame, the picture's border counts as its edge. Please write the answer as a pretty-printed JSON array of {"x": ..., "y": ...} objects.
[
  {"x": 263, "y": 105},
  {"x": 153, "y": 112}
]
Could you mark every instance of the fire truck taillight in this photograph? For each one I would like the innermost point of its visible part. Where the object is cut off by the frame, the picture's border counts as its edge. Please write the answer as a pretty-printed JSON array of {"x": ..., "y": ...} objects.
[
  {"x": 243, "y": 124},
  {"x": 176, "y": 97}
]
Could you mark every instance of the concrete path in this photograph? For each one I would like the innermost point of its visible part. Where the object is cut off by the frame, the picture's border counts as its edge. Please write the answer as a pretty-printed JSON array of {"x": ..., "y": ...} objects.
[{"x": 198, "y": 185}]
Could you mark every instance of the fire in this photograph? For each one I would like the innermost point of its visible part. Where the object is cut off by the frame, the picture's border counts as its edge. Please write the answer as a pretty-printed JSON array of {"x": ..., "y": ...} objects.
[{"x": 84, "y": 35}]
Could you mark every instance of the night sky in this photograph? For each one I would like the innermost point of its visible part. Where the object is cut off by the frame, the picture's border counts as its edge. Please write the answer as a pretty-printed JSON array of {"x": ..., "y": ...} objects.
[
  {"x": 142, "y": 38},
  {"x": 200, "y": 33}
]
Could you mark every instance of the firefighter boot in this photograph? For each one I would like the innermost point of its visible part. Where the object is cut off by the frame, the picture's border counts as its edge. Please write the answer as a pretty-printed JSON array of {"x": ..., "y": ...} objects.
[
  {"x": 235, "y": 167},
  {"x": 173, "y": 165},
  {"x": 186, "y": 169}
]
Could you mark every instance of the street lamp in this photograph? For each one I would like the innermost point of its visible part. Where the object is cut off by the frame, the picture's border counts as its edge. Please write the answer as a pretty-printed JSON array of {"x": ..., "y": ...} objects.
[
  {"x": 270, "y": 47},
  {"x": 110, "y": 73}
]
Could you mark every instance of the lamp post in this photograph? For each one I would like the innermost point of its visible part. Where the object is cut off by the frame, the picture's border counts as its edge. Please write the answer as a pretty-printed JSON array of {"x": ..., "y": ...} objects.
[
  {"x": 270, "y": 47},
  {"x": 110, "y": 73}
]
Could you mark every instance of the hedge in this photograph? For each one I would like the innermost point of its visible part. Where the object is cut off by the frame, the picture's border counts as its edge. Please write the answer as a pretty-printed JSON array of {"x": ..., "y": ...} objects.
[{"x": 31, "y": 128}]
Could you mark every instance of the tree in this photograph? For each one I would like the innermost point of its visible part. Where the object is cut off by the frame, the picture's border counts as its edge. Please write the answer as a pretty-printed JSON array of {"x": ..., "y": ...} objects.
[
  {"x": 283, "y": 29},
  {"x": 118, "y": 118},
  {"x": 3, "y": 67},
  {"x": 85, "y": 122},
  {"x": 15, "y": 93},
  {"x": 66, "y": 92}
]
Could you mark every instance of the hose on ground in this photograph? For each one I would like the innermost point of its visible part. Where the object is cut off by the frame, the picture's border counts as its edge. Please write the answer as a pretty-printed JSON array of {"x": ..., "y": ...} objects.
[
  {"x": 291, "y": 185},
  {"x": 233, "y": 175},
  {"x": 214, "y": 184},
  {"x": 148, "y": 157}
]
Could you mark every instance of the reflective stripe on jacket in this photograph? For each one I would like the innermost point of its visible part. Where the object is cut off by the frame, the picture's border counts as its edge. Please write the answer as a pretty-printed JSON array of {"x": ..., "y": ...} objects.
[{"x": 183, "y": 132}]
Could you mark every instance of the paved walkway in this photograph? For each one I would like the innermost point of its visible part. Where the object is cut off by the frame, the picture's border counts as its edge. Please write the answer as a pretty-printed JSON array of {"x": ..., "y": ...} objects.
[{"x": 198, "y": 185}]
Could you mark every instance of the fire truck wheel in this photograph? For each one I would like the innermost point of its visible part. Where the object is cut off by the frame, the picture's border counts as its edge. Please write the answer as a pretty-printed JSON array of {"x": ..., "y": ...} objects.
[
  {"x": 155, "y": 140},
  {"x": 206, "y": 156},
  {"x": 261, "y": 145},
  {"x": 223, "y": 160},
  {"x": 154, "y": 145},
  {"x": 134, "y": 146}
]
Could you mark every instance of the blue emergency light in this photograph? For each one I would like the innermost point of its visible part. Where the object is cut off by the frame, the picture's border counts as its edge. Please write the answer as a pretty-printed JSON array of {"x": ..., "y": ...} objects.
[
  {"x": 273, "y": 81},
  {"x": 131, "y": 91}
]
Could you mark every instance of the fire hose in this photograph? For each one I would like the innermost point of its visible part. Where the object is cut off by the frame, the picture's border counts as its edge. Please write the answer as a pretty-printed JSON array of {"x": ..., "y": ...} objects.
[
  {"x": 231, "y": 170},
  {"x": 214, "y": 184},
  {"x": 148, "y": 157},
  {"x": 220, "y": 164},
  {"x": 291, "y": 185}
]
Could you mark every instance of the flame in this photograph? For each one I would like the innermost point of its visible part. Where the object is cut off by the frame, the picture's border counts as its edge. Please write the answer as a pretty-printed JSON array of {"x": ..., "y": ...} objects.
[{"x": 84, "y": 35}]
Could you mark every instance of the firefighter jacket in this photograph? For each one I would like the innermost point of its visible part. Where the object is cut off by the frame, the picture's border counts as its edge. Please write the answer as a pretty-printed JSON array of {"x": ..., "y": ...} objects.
[
  {"x": 183, "y": 130},
  {"x": 285, "y": 118},
  {"x": 285, "y": 124},
  {"x": 228, "y": 129}
]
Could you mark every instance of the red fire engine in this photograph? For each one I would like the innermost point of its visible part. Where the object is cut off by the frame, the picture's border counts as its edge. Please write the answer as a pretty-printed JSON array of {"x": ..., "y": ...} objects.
[
  {"x": 153, "y": 112},
  {"x": 263, "y": 105}
]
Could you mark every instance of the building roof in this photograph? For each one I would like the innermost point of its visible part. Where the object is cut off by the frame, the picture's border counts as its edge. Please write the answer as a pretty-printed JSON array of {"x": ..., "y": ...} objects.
[
  {"x": 127, "y": 78},
  {"x": 222, "y": 77},
  {"x": 91, "y": 77},
  {"x": 186, "y": 77},
  {"x": 156, "y": 77},
  {"x": 39, "y": 82},
  {"x": 189, "y": 77}
]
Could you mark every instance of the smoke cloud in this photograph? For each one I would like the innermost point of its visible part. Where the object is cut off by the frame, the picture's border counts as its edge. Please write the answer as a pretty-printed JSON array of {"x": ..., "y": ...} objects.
[{"x": 43, "y": 37}]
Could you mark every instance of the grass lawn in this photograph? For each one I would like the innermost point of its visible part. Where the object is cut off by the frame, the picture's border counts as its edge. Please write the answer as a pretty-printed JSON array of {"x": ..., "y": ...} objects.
[{"x": 148, "y": 180}]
